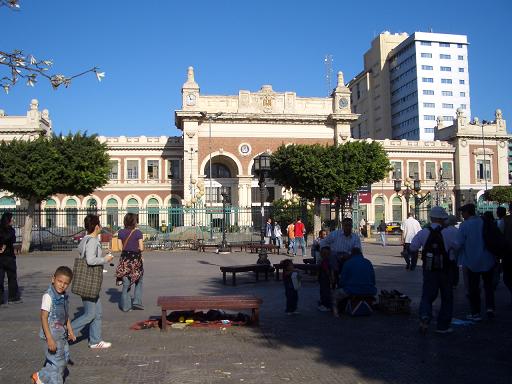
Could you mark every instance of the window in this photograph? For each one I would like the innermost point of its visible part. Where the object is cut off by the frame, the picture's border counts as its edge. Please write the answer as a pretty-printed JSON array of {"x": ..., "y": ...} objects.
[
  {"x": 459, "y": 45},
  {"x": 462, "y": 94},
  {"x": 463, "y": 106},
  {"x": 379, "y": 209},
  {"x": 428, "y": 43},
  {"x": 414, "y": 170},
  {"x": 396, "y": 205},
  {"x": 446, "y": 81},
  {"x": 461, "y": 69},
  {"x": 429, "y": 105},
  {"x": 444, "y": 56},
  {"x": 427, "y": 79},
  {"x": 71, "y": 213},
  {"x": 447, "y": 170},
  {"x": 397, "y": 169},
  {"x": 132, "y": 169},
  {"x": 174, "y": 169},
  {"x": 447, "y": 93},
  {"x": 483, "y": 170},
  {"x": 427, "y": 67},
  {"x": 462, "y": 82},
  {"x": 444, "y": 45},
  {"x": 429, "y": 130},
  {"x": 114, "y": 170},
  {"x": 446, "y": 69},
  {"x": 449, "y": 106},
  {"x": 447, "y": 118},
  {"x": 429, "y": 117},
  {"x": 430, "y": 170},
  {"x": 426, "y": 55},
  {"x": 268, "y": 195},
  {"x": 460, "y": 57},
  {"x": 218, "y": 171},
  {"x": 153, "y": 166},
  {"x": 428, "y": 92}
]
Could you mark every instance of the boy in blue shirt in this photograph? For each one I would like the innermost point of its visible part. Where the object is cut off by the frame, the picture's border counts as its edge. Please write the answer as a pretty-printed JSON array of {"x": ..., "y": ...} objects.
[{"x": 55, "y": 329}]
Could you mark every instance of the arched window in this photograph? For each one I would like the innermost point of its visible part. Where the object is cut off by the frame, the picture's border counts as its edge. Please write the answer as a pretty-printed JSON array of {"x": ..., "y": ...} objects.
[
  {"x": 219, "y": 171},
  {"x": 71, "y": 209},
  {"x": 153, "y": 213},
  {"x": 92, "y": 206},
  {"x": 379, "y": 209},
  {"x": 51, "y": 213},
  {"x": 132, "y": 206},
  {"x": 175, "y": 213},
  {"x": 7, "y": 201},
  {"x": 112, "y": 213},
  {"x": 397, "y": 208}
]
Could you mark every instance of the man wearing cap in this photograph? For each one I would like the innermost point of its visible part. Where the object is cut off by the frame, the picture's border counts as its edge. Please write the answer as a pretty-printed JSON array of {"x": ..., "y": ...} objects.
[
  {"x": 436, "y": 280},
  {"x": 477, "y": 261}
]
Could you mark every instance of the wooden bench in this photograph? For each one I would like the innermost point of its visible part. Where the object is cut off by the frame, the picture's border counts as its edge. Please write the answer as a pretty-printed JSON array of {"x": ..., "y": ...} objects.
[
  {"x": 203, "y": 247},
  {"x": 253, "y": 247},
  {"x": 192, "y": 303},
  {"x": 234, "y": 269},
  {"x": 303, "y": 267}
]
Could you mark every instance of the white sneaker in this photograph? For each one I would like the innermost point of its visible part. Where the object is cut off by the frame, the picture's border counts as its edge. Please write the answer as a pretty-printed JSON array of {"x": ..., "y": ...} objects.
[
  {"x": 323, "y": 308},
  {"x": 101, "y": 345}
]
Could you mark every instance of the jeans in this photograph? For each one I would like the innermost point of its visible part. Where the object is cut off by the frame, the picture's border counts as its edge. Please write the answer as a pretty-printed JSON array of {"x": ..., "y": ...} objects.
[
  {"x": 434, "y": 282},
  {"x": 126, "y": 300},
  {"x": 474, "y": 290},
  {"x": 292, "y": 298},
  {"x": 278, "y": 241},
  {"x": 299, "y": 241},
  {"x": 411, "y": 258},
  {"x": 383, "y": 238},
  {"x": 92, "y": 317},
  {"x": 55, "y": 363},
  {"x": 8, "y": 266},
  {"x": 291, "y": 244}
]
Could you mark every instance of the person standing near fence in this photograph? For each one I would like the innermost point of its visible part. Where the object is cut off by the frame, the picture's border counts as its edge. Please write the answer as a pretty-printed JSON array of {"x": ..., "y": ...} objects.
[
  {"x": 290, "y": 230},
  {"x": 8, "y": 260},
  {"x": 278, "y": 235},
  {"x": 90, "y": 248},
  {"x": 130, "y": 271},
  {"x": 269, "y": 231},
  {"x": 300, "y": 231}
]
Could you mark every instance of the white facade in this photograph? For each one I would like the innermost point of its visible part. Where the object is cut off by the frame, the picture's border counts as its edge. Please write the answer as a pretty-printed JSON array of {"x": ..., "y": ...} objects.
[{"x": 429, "y": 80}]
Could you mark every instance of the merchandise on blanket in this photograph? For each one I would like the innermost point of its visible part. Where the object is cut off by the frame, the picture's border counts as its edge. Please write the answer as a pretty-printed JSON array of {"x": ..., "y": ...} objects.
[
  {"x": 394, "y": 302},
  {"x": 358, "y": 307}
]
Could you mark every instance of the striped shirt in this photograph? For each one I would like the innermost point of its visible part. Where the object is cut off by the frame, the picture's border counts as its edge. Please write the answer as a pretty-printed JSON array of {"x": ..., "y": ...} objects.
[{"x": 339, "y": 243}]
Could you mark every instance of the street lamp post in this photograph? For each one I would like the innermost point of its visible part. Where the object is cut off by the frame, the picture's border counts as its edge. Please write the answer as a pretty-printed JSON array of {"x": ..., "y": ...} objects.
[
  {"x": 224, "y": 247},
  {"x": 440, "y": 188},
  {"x": 408, "y": 191},
  {"x": 261, "y": 168}
]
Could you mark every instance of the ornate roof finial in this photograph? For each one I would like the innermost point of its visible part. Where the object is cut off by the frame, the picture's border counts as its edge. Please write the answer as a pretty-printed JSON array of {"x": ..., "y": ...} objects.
[
  {"x": 341, "y": 81},
  {"x": 191, "y": 82}
]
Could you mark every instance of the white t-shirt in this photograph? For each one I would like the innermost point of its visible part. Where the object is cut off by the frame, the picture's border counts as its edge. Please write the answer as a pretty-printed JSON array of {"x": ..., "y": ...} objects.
[
  {"x": 410, "y": 228},
  {"x": 46, "y": 304}
]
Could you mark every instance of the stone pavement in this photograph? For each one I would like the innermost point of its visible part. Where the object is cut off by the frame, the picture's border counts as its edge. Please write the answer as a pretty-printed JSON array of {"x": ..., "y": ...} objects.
[{"x": 312, "y": 347}]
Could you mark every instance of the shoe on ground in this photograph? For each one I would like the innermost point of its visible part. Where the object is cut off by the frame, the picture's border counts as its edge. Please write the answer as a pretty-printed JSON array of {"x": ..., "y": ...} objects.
[
  {"x": 35, "y": 378},
  {"x": 16, "y": 301},
  {"x": 474, "y": 317},
  {"x": 323, "y": 308},
  {"x": 490, "y": 314},
  {"x": 138, "y": 307},
  {"x": 101, "y": 345},
  {"x": 444, "y": 331}
]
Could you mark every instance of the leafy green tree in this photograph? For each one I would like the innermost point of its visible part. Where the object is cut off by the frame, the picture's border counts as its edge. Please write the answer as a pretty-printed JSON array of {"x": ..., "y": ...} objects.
[
  {"x": 315, "y": 171},
  {"x": 37, "y": 169},
  {"x": 500, "y": 194}
]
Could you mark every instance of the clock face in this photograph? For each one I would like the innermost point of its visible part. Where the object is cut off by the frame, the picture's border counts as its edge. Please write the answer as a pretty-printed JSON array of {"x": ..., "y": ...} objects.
[
  {"x": 245, "y": 149},
  {"x": 191, "y": 99},
  {"x": 343, "y": 103}
]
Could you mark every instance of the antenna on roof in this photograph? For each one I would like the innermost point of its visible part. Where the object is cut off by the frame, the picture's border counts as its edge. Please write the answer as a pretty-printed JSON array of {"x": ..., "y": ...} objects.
[{"x": 328, "y": 73}]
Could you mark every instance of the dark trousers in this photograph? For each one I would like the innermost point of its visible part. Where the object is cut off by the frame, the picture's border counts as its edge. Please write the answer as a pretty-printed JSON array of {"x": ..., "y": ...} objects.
[
  {"x": 507, "y": 273},
  {"x": 292, "y": 298},
  {"x": 435, "y": 282},
  {"x": 474, "y": 290},
  {"x": 411, "y": 258},
  {"x": 454, "y": 272},
  {"x": 325, "y": 289},
  {"x": 8, "y": 266}
]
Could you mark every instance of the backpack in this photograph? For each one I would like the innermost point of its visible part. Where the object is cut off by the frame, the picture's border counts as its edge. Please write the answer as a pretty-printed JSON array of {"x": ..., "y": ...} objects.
[
  {"x": 494, "y": 240},
  {"x": 434, "y": 255}
]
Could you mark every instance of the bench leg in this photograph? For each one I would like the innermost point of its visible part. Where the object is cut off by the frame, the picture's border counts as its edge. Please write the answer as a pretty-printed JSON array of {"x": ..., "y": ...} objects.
[
  {"x": 234, "y": 278},
  {"x": 224, "y": 277},
  {"x": 164, "y": 320},
  {"x": 256, "y": 316}
]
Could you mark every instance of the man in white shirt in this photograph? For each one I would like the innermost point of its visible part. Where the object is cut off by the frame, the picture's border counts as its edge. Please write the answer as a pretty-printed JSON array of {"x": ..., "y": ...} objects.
[{"x": 410, "y": 228}]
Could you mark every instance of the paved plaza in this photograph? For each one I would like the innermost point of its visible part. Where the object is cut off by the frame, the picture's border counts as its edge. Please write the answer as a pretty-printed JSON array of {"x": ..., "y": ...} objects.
[{"x": 312, "y": 347}]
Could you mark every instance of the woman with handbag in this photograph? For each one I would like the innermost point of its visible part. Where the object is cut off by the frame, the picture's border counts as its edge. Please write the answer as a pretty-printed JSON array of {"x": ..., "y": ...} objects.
[
  {"x": 130, "y": 270},
  {"x": 90, "y": 250}
]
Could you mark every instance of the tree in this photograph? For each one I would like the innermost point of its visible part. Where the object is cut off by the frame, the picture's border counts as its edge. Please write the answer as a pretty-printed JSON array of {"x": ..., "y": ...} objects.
[
  {"x": 315, "y": 171},
  {"x": 27, "y": 67},
  {"x": 500, "y": 194},
  {"x": 35, "y": 170}
]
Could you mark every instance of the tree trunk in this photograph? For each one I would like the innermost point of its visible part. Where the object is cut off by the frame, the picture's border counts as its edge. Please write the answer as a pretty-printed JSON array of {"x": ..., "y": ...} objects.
[
  {"x": 27, "y": 229},
  {"x": 317, "y": 220}
]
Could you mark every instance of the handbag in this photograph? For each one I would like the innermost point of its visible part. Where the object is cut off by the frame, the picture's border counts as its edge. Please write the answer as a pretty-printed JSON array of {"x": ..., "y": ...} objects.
[{"x": 87, "y": 279}]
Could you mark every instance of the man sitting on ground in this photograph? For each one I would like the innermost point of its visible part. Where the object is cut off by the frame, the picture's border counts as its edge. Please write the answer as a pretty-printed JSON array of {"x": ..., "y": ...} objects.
[{"x": 357, "y": 279}]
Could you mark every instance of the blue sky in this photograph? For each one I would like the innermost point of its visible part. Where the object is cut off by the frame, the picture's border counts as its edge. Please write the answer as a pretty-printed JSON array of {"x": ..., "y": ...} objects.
[{"x": 146, "y": 46}]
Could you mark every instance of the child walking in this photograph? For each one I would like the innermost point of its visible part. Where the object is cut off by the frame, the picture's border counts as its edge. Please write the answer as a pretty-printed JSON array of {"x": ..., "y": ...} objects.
[
  {"x": 324, "y": 280},
  {"x": 291, "y": 287},
  {"x": 55, "y": 329}
]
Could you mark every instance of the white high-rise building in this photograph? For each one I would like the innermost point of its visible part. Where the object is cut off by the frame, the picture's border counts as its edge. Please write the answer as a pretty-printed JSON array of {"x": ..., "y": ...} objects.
[{"x": 410, "y": 82}]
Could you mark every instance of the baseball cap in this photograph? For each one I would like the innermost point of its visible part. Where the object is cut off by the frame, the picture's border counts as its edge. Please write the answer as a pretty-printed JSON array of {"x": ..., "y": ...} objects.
[{"x": 438, "y": 213}]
